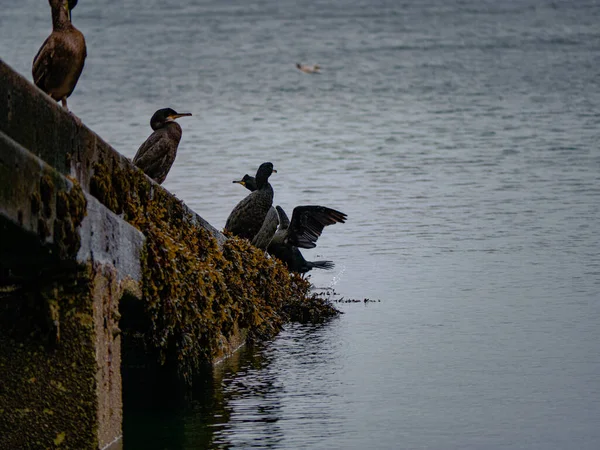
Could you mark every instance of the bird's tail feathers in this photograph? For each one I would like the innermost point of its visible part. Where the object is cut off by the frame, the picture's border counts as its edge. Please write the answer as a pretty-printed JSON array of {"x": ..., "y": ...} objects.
[{"x": 325, "y": 265}]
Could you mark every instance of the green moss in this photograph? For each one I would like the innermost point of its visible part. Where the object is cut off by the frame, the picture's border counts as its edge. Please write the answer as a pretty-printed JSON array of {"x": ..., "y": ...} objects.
[
  {"x": 60, "y": 438},
  {"x": 68, "y": 205},
  {"x": 71, "y": 208},
  {"x": 195, "y": 294}
]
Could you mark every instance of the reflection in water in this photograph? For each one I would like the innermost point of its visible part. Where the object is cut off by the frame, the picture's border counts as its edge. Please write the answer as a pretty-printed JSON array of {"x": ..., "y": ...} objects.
[
  {"x": 279, "y": 401},
  {"x": 239, "y": 403},
  {"x": 249, "y": 400}
]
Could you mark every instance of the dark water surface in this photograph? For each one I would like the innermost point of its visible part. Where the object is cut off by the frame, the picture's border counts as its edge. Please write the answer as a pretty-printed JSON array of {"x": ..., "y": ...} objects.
[{"x": 461, "y": 138}]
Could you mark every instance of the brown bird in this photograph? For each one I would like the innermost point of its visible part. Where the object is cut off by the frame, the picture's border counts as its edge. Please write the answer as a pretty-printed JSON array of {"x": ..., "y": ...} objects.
[
  {"x": 157, "y": 154},
  {"x": 59, "y": 61}
]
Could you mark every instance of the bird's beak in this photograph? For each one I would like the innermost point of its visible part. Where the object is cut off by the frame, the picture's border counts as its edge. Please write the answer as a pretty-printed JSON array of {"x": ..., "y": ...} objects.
[
  {"x": 242, "y": 182},
  {"x": 274, "y": 171},
  {"x": 177, "y": 116}
]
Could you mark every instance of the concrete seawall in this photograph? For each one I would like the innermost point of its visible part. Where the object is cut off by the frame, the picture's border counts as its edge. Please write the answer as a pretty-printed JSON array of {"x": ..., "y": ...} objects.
[
  {"x": 62, "y": 276},
  {"x": 96, "y": 257}
]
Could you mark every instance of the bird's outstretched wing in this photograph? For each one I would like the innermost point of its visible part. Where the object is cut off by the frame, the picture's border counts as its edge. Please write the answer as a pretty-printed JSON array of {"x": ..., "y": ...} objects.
[{"x": 308, "y": 222}]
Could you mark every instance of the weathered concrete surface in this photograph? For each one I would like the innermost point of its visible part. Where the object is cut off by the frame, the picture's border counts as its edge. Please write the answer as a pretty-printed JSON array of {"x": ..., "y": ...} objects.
[
  {"x": 113, "y": 248},
  {"x": 37, "y": 123},
  {"x": 109, "y": 240},
  {"x": 61, "y": 381},
  {"x": 42, "y": 246},
  {"x": 62, "y": 275}
]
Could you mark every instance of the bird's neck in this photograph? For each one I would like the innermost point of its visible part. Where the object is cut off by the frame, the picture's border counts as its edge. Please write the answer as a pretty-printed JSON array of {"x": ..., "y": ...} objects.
[
  {"x": 174, "y": 130},
  {"x": 262, "y": 180},
  {"x": 60, "y": 19},
  {"x": 171, "y": 126},
  {"x": 266, "y": 187}
]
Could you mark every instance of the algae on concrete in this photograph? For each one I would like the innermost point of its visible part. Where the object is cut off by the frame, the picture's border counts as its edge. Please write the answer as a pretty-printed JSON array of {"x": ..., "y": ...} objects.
[{"x": 197, "y": 294}]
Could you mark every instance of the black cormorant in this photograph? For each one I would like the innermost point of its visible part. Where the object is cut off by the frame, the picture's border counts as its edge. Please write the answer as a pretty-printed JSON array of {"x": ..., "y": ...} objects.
[
  {"x": 306, "y": 225},
  {"x": 157, "y": 154},
  {"x": 59, "y": 61},
  {"x": 289, "y": 254},
  {"x": 249, "y": 214},
  {"x": 267, "y": 230},
  {"x": 295, "y": 262},
  {"x": 302, "y": 231}
]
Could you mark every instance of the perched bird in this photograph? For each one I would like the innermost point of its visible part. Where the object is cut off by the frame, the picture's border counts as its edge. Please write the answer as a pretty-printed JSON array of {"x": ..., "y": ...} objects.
[
  {"x": 289, "y": 254},
  {"x": 157, "y": 154},
  {"x": 249, "y": 214},
  {"x": 308, "y": 69},
  {"x": 306, "y": 225},
  {"x": 267, "y": 230},
  {"x": 282, "y": 237},
  {"x": 59, "y": 61}
]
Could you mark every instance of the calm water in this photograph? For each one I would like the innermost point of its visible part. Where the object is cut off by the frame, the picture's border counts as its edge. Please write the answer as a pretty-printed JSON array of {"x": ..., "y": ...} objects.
[{"x": 462, "y": 140}]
